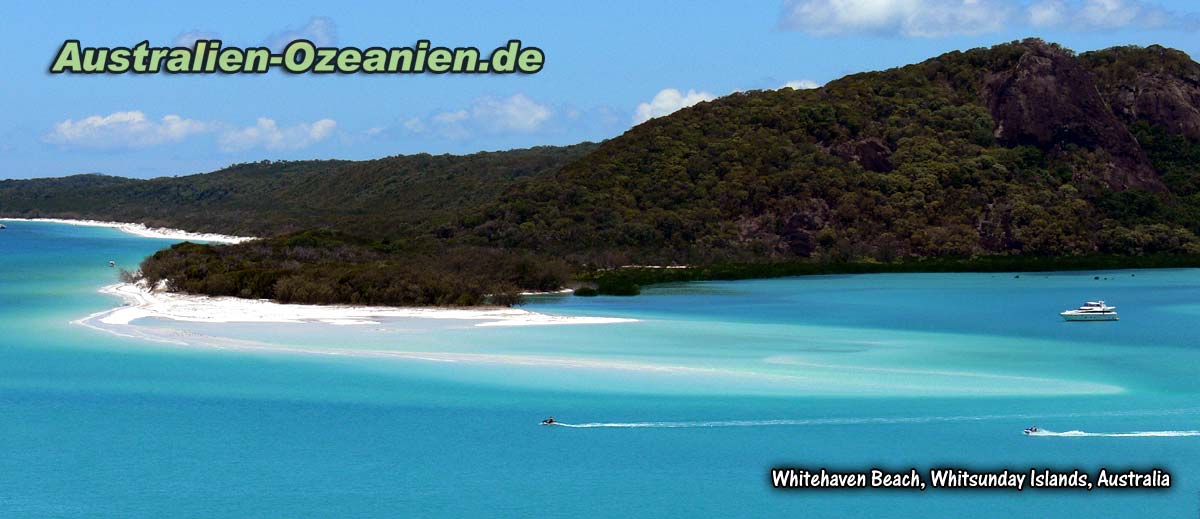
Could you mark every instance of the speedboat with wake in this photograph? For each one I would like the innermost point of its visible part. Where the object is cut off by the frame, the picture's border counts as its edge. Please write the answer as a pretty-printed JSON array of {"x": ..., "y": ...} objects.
[
  {"x": 549, "y": 421},
  {"x": 1031, "y": 430},
  {"x": 1091, "y": 311}
]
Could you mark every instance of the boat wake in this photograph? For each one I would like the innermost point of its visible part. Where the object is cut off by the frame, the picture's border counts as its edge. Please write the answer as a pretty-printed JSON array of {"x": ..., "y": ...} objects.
[
  {"x": 900, "y": 420},
  {"x": 1133, "y": 434},
  {"x": 795, "y": 422},
  {"x": 677, "y": 425}
]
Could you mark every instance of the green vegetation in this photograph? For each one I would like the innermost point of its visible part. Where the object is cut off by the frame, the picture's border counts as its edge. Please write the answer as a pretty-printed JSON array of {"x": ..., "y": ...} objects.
[
  {"x": 1023, "y": 156},
  {"x": 879, "y": 166},
  {"x": 586, "y": 292},
  {"x": 383, "y": 198},
  {"x": 324, "y": 267}
]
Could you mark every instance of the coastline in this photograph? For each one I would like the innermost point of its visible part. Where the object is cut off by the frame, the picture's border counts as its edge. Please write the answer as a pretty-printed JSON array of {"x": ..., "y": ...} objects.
[
  {"x": 142, "y": 230},
  {"x": 627, "y": 281},
  {"x": 559, "y": 292},
  {"x": 768, "y": 376},
  {"x": 140, "y": 302}
]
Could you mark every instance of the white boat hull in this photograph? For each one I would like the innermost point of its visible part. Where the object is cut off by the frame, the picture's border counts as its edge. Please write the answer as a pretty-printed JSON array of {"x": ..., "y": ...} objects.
[{"x": 1089, "y": 317}]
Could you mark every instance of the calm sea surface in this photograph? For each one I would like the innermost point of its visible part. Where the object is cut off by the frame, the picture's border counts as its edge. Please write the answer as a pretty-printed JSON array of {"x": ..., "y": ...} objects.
[{"x": 681, "y": 413}]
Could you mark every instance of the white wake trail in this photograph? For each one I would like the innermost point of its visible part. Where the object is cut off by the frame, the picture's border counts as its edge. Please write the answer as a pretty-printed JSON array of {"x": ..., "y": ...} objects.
[
  {"x": 796, "y": 422},
  {"x": 673, "y": 425},
  {"x": 1133, "y": 434},
  {"x": 908, "y": 420}
]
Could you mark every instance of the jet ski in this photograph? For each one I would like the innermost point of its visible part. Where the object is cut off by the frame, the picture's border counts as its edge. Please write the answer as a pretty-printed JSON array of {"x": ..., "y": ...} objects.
[
  {"x": 549, "y": 421},
  {"x": 1031, "y": 430}
]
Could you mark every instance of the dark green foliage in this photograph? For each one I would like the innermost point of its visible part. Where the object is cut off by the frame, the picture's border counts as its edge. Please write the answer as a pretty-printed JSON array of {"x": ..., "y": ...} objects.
[
  {"x": 508, "y": 297},
  {"x": 900, "y": 170},
  {"x": 1178, "y": 160},
  {"x": 734, "y": 271},
  {"x": 586, "y": 292},
  {"x": 326, "y": 267},
  {"x": 127, "y": 276},
  {"x": 1175, "y": 157},
  {"x": 872, "y": 167},
  {"x": 382, "y": 198},
  {"x": 617, "y": 286},
  {"x": 1130, "y": 206}
]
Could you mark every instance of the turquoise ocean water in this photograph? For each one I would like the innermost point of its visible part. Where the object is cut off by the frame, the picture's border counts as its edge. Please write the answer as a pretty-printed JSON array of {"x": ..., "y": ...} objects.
[{"x": 685, "y": 410}]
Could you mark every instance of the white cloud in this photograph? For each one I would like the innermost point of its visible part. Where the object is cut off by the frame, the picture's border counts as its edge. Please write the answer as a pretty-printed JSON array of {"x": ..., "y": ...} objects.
[
  {"x": 938, "y": 18},
  {"x": 188, "y": 39},
  {"x": 1047, "y": 13},
  {"x": 802, "y": 84},
  {"x": 124, "y": 130},
  {"x": 452, "y": 125},
  {"x": 319, "y": 30},
  {"x": 920, "y": 18},
  {"x": 487, "y": 115},
  {"x": 1110, "y": 13},
  {"x": 266, "y": 134},
  {"x": 451, "y": 117},
  {"x": 1091, "y": 15},
  {"x": 667, "y": 101},
  {"x": 414, "y": 125},
  {"x": 511, "y": 114}
]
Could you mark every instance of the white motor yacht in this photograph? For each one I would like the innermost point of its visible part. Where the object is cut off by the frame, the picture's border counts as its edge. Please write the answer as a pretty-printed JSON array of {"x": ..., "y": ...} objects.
[{"x": 1091, "y": 311}]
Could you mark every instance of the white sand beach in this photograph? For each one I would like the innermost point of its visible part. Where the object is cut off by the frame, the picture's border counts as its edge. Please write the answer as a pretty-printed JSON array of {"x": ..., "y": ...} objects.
[
  {"x": 563, "y": 291},
  {"x": 144, "y": 303},
  {"x": 142, "y": 230}
]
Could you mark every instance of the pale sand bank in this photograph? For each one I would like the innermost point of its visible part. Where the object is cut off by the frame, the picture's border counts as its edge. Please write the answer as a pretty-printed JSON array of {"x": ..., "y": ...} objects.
[
  {"x": 143, "y": 303},
  {"x": 770, "y": 375},
  {"x": 142, "y": 230},
  {"x": 563, "y": 291}
]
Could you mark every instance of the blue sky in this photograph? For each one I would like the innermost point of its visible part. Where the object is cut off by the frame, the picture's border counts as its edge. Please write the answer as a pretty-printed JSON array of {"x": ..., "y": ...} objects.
[{"x": 608, "y": 66}]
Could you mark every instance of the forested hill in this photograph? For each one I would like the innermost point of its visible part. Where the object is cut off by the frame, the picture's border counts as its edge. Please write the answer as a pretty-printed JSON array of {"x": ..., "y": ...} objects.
[
  {"x": 1022, "y": 152},
  {"x": 1019, "y": 149},
  {"x": 378, "y": 198}
]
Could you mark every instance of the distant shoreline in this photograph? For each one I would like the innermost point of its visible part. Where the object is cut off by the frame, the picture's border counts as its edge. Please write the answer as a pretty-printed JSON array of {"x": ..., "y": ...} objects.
[
  {"x": 142, "y": 230},
  {"x": 628, "y": 281}
]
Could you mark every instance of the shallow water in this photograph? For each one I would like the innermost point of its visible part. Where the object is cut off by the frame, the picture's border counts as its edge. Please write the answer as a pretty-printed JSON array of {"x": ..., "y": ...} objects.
[{"x": 681, "y": 412}]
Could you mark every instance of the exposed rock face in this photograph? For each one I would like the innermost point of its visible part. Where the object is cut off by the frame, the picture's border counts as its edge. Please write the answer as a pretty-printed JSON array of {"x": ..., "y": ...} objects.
[
  {"x": 1049, "y": 100},
  {"x": 872, "y": 154},
  {"x": 995, "y": 228},
  {"x": 1154, "y": 84}
]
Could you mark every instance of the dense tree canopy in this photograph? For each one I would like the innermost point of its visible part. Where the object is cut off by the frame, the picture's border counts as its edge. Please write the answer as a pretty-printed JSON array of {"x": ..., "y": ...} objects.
[
  {"x": 1022, "y": 150},
  {"x": 379, "y": 198},
  {"x": 907, "y": 162}
]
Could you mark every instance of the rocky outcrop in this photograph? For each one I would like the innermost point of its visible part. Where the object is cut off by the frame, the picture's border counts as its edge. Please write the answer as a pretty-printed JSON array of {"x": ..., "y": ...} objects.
[
  {"x": 872, "y": 154},
  {"x": 1047, "y": 99},
  {"x": 1154, "y": 84}
]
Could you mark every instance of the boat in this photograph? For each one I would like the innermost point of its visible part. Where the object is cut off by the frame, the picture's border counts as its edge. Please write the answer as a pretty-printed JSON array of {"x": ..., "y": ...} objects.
[
  {"x": 2, "y": 226},
  {"x": 1031, "y": 430},
  {"x": 1091, "y": 311},
  {"x": 549, "y": 421},
  {"x": 112, "y": 263}
]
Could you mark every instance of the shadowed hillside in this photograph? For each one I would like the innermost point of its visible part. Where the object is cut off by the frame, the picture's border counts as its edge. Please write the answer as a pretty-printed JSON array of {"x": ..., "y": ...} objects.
[{"x": 1023, "y": 148}]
